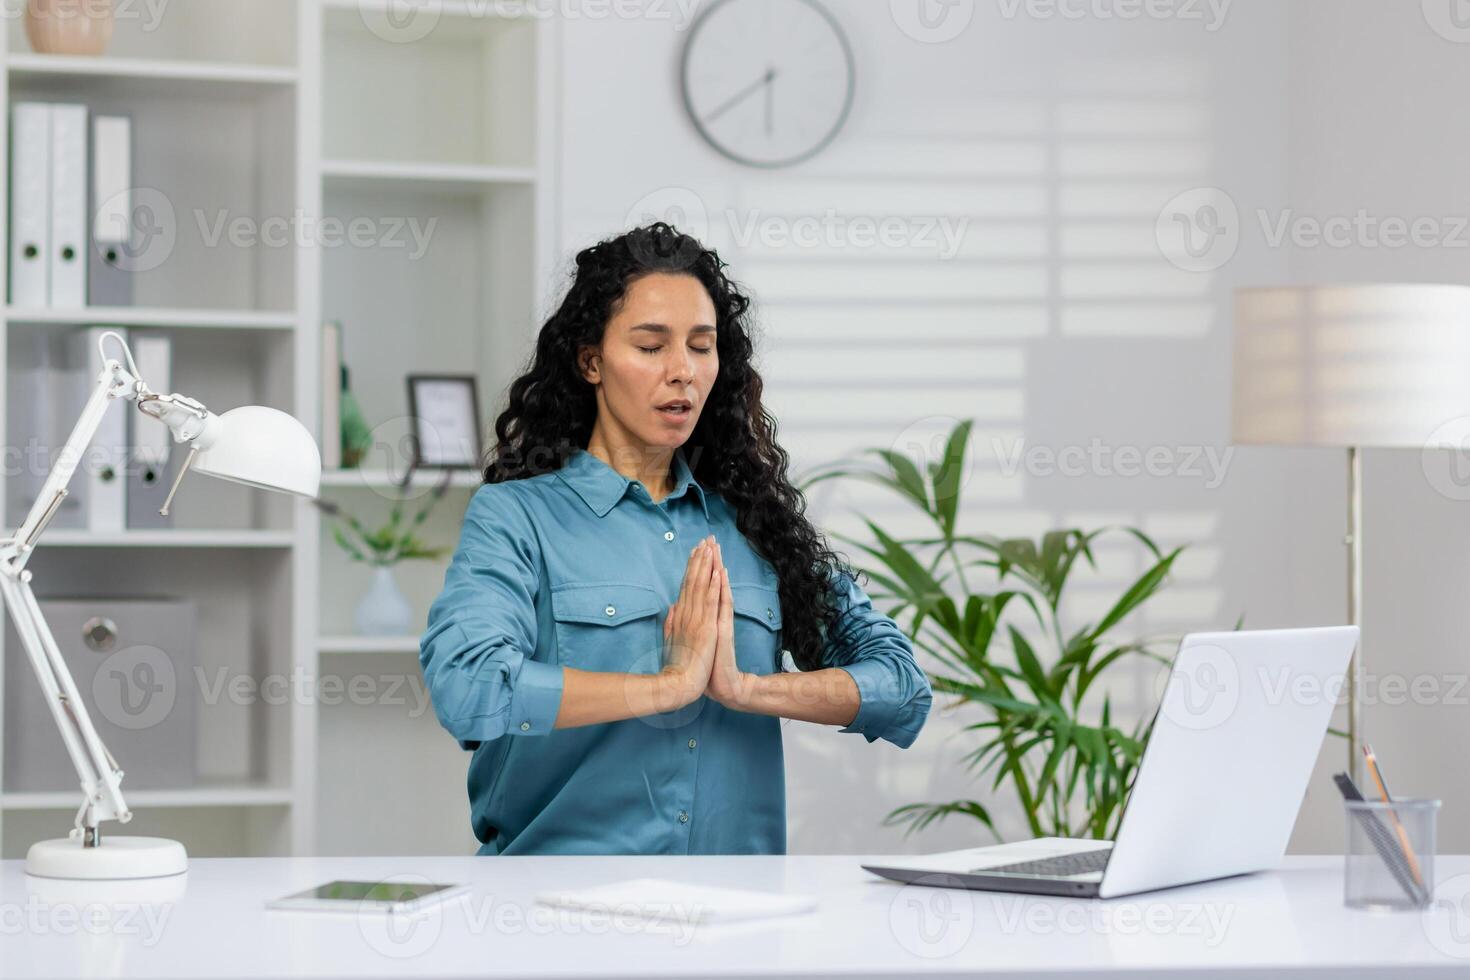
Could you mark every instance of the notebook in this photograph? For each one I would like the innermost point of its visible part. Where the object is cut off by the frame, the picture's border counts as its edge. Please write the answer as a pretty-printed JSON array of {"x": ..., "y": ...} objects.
[{"x": 658, "y": 898}]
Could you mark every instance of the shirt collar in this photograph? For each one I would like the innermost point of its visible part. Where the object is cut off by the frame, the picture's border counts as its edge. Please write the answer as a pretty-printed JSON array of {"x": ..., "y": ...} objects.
[{"x": 600, "y": 486}]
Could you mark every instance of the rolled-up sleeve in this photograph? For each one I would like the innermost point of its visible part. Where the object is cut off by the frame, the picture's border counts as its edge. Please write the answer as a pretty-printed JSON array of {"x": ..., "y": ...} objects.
[
  {"x": 477, "y": 652},
  {"x": 895, "y": 693}
]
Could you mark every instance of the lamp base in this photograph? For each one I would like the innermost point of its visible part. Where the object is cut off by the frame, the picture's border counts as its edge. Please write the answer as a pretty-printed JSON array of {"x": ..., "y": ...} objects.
[{"x": 117, "y": 857}]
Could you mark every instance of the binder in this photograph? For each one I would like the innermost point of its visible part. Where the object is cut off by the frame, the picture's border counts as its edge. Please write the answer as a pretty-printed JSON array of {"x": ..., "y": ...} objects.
[
  {"x": 68, "y": 271},
  {"x": 110, "y": 283},
  {"x": 151, "y": 465},
  {"x": 99, "y": 477},
  {"x": 331, "y": 434},
  {"x": 30, "y": 399},
  {"x": 30, "y": 204}
]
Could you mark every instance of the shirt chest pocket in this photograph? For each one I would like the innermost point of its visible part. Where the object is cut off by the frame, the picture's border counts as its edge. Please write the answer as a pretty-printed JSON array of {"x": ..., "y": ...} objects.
[
  {"x": 608, "y": 626},
  {"x": 757, "y": 627}
]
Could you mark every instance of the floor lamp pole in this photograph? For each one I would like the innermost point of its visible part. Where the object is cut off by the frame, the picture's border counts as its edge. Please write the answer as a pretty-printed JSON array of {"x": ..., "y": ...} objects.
[{"x": 1354, "y": 543}]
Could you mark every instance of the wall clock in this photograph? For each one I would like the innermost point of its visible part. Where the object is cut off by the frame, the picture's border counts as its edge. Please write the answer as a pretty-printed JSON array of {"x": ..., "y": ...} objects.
[{"x": 767, "y": 83}]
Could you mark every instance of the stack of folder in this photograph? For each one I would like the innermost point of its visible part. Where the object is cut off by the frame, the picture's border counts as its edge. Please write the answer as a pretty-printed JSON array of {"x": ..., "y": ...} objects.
[{"x": 66, "y": 165}]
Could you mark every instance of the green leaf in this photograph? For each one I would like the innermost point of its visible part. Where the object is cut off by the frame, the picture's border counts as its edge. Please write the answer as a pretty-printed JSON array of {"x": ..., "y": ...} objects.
[
  {"x": 1031, "y": 668},
  {"x": 1148, "y": 583},
  {"x": 921, "y": 815},
  {"x": 906, "y": 477},
  {"x": 947, "y": 474}
]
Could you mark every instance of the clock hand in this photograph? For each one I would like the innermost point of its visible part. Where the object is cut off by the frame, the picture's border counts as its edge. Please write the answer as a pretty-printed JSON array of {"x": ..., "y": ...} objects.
[
  {"x": 770, "y": 90},
  {"x": 740, "y": 96}
]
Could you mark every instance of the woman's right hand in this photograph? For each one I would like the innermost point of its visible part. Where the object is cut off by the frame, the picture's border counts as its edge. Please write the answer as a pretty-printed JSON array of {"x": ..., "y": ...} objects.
[{"x": 692, "y": 625}]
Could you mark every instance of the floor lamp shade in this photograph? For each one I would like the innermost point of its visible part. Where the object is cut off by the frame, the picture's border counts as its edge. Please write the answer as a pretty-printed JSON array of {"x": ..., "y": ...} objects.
[
  {"x": 1378, "y": 365},
  {"x": 1374, "y": 365}
]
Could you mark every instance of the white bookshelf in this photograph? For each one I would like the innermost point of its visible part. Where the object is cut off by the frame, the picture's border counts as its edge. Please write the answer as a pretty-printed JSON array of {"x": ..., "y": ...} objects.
[
  {"x": 266, "y": 108},
  {"x": 369, "y": 644},
  {"x": 160, "y": 317},
  {"x": 382, "y": 480}
]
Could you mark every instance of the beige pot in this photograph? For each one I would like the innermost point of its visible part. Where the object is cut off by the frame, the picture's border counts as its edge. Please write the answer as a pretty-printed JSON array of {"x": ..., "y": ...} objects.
[{"x": 69, "y": 26}]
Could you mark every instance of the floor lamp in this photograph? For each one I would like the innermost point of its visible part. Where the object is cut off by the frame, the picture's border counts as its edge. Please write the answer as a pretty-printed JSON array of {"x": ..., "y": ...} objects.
[
  {"x": 254, "y": 445},
  {"x": 1352, "y": 367}
]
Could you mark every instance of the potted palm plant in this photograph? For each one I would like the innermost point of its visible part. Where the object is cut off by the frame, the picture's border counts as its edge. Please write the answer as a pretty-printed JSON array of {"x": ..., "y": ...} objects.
[{"x": 1045, "y": 727}]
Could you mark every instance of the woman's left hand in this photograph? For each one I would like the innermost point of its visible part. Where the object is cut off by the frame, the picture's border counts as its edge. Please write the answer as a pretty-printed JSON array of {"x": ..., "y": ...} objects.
[{"x": 727, "y": 684}]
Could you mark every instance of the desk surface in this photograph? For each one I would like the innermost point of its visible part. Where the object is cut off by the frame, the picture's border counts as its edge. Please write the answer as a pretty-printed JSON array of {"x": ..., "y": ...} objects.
[{"x": 215, "y": 925}]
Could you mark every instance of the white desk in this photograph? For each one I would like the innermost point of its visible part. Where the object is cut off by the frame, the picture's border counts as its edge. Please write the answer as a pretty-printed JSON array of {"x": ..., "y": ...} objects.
[{"x": 1290, "y": 920}]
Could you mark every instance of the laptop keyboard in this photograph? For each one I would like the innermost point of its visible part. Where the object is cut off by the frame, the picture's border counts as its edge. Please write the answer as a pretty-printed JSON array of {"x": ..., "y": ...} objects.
[{"x": 1059, "y": 866}]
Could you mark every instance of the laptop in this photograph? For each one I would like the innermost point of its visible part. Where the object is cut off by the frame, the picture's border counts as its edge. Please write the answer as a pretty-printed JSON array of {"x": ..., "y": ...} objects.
[{"x": 1235, "y": 739}]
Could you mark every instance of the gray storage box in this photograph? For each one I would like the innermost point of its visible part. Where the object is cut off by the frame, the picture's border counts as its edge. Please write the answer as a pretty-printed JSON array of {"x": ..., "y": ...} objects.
[{"x": 133, "y": 664}]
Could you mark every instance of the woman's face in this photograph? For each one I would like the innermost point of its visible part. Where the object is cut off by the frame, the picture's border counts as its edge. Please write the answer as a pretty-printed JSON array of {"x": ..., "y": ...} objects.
[{"x": 658, "y": 351}]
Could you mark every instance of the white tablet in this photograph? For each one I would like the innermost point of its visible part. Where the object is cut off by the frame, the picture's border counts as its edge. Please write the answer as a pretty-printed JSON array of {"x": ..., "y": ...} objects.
[{"x": 362, "y": 896}]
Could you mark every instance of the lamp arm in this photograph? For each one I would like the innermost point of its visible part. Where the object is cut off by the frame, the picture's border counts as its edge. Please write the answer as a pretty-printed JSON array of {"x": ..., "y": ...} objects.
[
  {"x": 98, "y": 771},
  {"x": 112, "y": 382}
]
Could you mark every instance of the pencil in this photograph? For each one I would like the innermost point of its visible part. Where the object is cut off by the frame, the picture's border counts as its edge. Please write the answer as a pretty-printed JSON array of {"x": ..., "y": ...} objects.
[{"x": 1398, "y": 827}]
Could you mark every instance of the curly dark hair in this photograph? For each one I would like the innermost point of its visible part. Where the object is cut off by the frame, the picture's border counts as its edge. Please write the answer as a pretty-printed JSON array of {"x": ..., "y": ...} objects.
[{"x": 732, "y": 450}]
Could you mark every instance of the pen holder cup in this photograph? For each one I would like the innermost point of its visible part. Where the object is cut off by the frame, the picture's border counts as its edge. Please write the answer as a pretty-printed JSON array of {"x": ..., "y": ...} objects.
[{"x": 1390, "y": 854}]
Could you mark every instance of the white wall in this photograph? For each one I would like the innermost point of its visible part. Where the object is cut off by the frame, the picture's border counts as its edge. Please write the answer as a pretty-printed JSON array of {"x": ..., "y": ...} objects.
[
  {"x": 1376, "y": 92},
  {"x": 1059, "y": 142}
]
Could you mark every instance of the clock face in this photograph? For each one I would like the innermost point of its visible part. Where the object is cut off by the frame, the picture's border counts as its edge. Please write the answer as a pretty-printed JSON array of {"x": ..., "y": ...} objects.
[{"x": 767, "y": 82}]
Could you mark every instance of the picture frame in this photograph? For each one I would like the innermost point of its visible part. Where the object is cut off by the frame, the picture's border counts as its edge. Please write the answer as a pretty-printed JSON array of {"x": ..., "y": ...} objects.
[{"x": 444, "y": 410}]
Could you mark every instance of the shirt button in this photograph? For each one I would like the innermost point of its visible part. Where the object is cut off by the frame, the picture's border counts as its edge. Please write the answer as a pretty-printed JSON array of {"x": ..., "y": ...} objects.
[
  {"x": 693, "y": 743},
  {"x": 770, "y": 615},
  {"x": 683, "y": 817},
  {"x": 611, "y": 610},
  {"x": 668, "y": 535},
  {"x": 525, "y": 726}
]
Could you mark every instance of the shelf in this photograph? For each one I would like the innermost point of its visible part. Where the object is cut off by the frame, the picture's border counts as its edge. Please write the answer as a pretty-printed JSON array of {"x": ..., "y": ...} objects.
[
  {"x": 141, "y": 799},
  {"x": 445, "y": 20},
  {"x": 138, "y": 76},
  {"x": 139, "y": 316},
  {"x": 440, "y": 178},
  {"x": 368, "y": 644},
  {"x": 183, "y": 538},
  {"x": 379, "y": 480}
]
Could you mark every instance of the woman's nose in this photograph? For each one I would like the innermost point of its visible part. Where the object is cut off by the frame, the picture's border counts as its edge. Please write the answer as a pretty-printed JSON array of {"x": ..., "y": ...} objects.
[{"x": 681, "y": 367}]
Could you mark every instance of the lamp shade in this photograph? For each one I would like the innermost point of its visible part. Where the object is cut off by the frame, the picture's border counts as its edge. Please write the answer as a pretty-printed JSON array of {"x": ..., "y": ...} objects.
[
  {"x": 1376, "y": 365},
  {"x": 265, "y": 448}
]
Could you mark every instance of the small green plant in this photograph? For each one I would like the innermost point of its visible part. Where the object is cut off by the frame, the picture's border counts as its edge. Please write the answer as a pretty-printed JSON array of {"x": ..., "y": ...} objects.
[
  {"x": 1068, "y": 764},
  {"x": 390, "y": 543}
]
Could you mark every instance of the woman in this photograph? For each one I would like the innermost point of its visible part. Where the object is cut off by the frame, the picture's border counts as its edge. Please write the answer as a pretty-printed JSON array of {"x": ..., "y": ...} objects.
[{"x": 608, "y": 638}]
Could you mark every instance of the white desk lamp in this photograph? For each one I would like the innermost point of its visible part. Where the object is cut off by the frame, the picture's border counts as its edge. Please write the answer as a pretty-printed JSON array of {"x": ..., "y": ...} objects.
[
  {"x": 260, "y": 447},
  {"x": 1352, "y": 366}
]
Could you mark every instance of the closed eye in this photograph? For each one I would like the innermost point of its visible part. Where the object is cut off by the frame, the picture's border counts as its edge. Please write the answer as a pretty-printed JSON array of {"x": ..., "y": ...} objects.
[{"x": 655, "y": 350}]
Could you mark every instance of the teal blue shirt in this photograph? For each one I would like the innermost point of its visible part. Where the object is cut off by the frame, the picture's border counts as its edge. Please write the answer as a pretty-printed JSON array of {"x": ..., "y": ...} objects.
[{"x": 578, "y": 568}]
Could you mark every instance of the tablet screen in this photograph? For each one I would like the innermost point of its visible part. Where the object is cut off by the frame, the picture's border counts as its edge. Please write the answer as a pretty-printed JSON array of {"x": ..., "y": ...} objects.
[{"x": 376, "y": 892}]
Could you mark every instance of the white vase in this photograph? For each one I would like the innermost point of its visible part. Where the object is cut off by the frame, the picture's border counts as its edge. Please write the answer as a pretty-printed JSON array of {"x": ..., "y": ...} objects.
[{"x": 383, "y": 610}]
